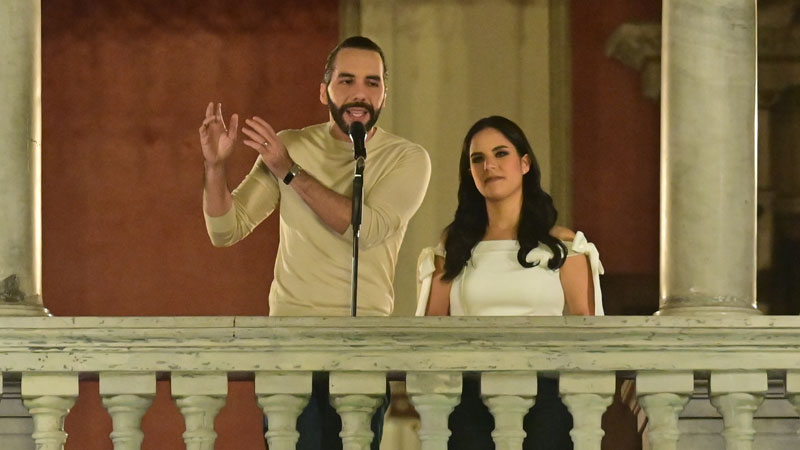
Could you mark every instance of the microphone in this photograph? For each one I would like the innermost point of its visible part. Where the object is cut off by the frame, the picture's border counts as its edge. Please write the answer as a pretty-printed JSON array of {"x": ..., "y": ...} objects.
[{"x": 357, "y": 134}]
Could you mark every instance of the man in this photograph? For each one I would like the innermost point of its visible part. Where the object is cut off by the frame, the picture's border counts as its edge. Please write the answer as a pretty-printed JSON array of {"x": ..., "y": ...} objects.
[{"x": 309, "y": 172}]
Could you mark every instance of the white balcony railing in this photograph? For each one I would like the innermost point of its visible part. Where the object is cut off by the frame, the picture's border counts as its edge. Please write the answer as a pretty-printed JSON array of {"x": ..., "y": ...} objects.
[{"x": 198, "y": 354}]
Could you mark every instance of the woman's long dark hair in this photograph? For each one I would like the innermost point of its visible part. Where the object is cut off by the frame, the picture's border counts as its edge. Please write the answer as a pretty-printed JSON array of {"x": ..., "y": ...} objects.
[{"x": 537, "y": 216}]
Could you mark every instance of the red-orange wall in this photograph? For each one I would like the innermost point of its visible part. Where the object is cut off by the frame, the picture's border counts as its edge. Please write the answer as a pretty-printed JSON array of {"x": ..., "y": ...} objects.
[
  {"x": 125, "y": 85},
  {"x": 615, "y": 140}
]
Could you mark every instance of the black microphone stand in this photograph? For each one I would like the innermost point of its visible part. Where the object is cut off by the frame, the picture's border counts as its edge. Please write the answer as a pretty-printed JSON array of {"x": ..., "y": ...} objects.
[
  {"x": 358, "y": 193},
  {"x": 358, "y": 135}
]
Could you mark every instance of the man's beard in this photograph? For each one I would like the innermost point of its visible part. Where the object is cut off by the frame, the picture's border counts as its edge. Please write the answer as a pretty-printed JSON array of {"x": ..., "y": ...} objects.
[{"x": 337, "y": 112}]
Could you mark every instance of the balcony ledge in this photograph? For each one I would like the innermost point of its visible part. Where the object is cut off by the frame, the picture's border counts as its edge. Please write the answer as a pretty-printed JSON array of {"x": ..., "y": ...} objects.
[{"x": 254, "y": 344}]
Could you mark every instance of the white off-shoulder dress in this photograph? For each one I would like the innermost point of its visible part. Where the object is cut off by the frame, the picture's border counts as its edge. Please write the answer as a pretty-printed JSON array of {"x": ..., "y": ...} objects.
[{"x": 493, "y": 283}]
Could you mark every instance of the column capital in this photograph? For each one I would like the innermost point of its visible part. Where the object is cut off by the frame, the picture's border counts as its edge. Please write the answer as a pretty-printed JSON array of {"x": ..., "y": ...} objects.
[{"x": 638, "y": 46}]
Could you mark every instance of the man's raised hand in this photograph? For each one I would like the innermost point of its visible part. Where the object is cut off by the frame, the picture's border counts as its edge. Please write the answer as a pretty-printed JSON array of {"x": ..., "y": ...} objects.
[{"x": 215, "y": 139}]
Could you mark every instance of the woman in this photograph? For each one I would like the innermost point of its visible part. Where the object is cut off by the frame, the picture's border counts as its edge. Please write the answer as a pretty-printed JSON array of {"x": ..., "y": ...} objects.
[{"x": 503, "y": 255}]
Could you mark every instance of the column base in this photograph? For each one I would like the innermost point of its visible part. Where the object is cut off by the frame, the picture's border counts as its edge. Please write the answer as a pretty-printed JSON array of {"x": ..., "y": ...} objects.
[
  {"x": 706, "y": 306},
  {"x": 31, "y": 307}
]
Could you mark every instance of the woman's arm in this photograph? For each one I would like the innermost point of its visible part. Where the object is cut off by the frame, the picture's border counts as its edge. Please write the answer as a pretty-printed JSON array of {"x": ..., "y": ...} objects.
[
  {"x": 439, "y": 300},
  {"x": 576, "y": 278}
]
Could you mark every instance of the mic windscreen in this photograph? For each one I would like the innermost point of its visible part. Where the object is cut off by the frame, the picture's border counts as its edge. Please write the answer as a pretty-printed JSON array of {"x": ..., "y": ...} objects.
[{"x": 357, "y": 132}]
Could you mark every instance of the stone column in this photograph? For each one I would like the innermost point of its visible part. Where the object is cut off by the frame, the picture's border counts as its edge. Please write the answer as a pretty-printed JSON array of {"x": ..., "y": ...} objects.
[
  {"x": 20, "y": 151},
  {"x": 708, "y": 157}
]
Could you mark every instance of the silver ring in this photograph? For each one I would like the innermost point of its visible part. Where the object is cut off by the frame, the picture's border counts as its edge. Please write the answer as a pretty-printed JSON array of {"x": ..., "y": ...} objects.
[{"x": 265, "y": 144}]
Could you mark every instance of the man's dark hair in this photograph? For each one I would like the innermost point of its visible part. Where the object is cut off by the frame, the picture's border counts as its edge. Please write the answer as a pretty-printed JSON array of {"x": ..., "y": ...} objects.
[{"x": 359, "y": 42}]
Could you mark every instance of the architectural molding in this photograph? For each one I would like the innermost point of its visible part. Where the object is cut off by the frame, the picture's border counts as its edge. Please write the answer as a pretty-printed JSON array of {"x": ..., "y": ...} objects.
[
  {"x": 200, "y": 355},
  {"x": 256, "y": 344},
  {"x": 638, "y": 46}
]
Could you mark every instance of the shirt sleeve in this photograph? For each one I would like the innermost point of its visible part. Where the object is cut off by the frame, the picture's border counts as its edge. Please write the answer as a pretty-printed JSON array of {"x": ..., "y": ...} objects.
[
  {"x": 395, "y": 198},
  {"x": 253, "y": 201}
]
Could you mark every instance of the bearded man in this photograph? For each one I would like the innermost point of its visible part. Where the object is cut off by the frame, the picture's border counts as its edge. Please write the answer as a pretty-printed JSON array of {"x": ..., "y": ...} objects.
[{"x": 309, "y": 173}]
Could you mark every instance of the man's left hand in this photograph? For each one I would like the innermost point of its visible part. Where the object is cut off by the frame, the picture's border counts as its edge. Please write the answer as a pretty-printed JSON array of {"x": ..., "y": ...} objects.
[{"x": 266, "y": 142}]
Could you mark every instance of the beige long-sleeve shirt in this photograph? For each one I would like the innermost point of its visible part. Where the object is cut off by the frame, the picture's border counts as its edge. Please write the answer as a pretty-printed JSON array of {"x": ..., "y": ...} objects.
[{"x": 313, "y": 265}]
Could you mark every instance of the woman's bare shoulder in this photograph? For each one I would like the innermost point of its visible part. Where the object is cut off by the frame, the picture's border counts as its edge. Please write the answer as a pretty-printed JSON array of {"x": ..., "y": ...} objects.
[{"x": 562, "y": 233}]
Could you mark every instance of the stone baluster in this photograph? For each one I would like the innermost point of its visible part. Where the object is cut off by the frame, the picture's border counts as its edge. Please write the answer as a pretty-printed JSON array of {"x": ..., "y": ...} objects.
[
  {"x": 663, "y": 395},
  {"x": 737, "y": 396},
  {"x": 199, "y": 396},
  {"x": 49, "y": 398},
  {"x": 434, "y": 395},
  {"x": 355, "y": 395},
  {"x": 793, "y": 390},
  {"x": 282, "y": 397},
  {"x": 509, "y": 396},
  {"x": 587, "y": 395},
  {"x": 127, "y": 396}
]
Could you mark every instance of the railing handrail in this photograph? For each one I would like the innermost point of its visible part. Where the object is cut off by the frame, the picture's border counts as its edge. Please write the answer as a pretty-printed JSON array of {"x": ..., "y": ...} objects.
[{"x": 380, "y": 344}]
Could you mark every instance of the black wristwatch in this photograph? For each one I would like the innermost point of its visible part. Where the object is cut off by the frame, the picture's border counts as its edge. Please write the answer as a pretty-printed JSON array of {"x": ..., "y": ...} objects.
[{"x": 293, "y": 172}]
